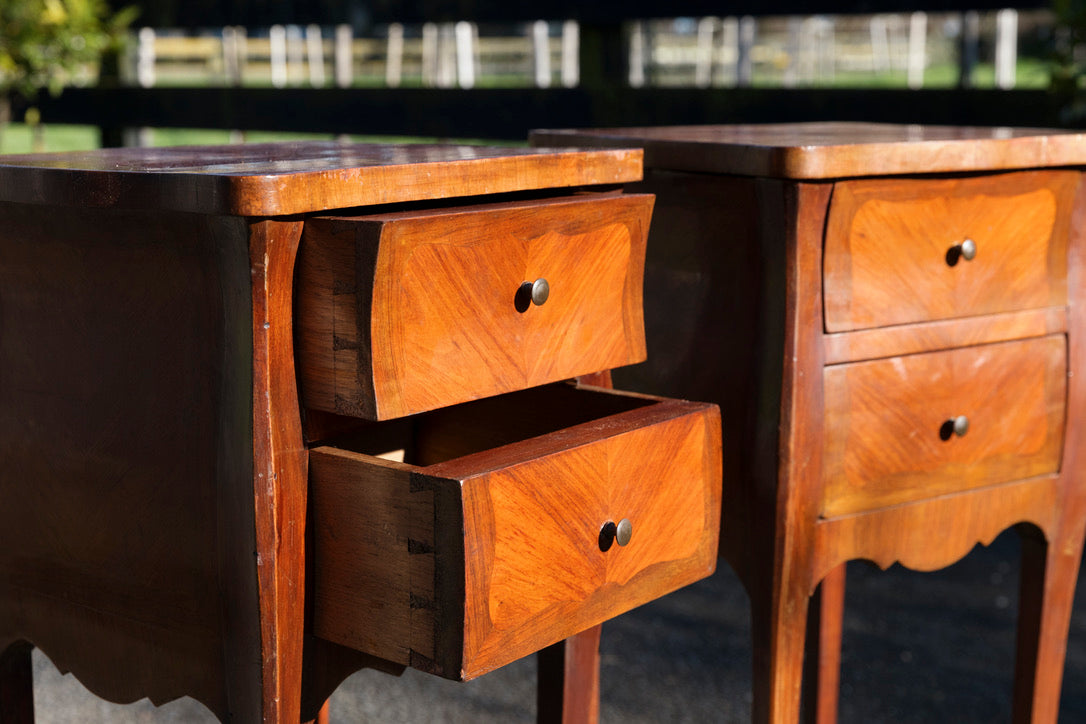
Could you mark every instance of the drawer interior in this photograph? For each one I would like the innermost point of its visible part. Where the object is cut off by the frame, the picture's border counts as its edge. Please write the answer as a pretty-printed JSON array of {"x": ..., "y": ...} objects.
[{"x": 474, "y": 427}]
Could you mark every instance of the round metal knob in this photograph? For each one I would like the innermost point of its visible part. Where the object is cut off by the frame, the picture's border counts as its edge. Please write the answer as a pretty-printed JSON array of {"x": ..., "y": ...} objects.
[
  {"x": 961, "y": 425},
  {"x": 969, "y": 249},
  {"x": 966, "y": 250},
  {"x": 954, "y": 426},
  {"x": 623, "y": 531},
  {"x": 529, "y": 293},
  {"x": 541, "y": 289},
  {"x": 611, "y": 533}
]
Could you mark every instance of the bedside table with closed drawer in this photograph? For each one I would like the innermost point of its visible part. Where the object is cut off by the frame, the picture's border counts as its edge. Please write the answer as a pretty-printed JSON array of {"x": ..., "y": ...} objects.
[
  {"x": 274, "y": 413},
  {"x": 891, "y": 318}
]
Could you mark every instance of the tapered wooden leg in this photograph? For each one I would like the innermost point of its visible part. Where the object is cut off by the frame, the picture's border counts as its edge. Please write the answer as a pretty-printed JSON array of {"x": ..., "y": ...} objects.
[
  {"x": 1049, "y": 572},
  {"x": 569, "y": 680},
  {"x": 16, "y": 685},
  {"x": 779, "y": 630},
  {"x": 322, "y": 716},
  {"x": 822, "y": 662}
]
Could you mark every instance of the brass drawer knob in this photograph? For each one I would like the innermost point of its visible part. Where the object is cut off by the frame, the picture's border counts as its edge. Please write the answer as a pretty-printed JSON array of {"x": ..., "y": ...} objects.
[
  {"x": 955, "y": 426},
  {"x": 530, "y": 293},
  {"x": 966, "y": 250},
  {"x": 623, "y": 532},
  {"x": 611, "y": 533}
]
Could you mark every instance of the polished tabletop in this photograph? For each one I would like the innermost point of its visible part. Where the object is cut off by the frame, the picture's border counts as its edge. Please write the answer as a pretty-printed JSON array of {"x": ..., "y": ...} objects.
[
  {"x": 290, "y": 178},
  {"x": 826, "y": 150}
]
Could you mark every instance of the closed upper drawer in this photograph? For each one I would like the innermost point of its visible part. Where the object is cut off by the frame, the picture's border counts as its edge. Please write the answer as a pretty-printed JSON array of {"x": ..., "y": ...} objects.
[
  {"x": 893, "y": 252},
  {"x": 468, "y": 556},
  {"x": 889, "y": 425},
  {"x": 406, "y": 312}
]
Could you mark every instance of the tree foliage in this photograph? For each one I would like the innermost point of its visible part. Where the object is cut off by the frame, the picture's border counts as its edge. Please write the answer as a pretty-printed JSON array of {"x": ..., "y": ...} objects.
[{"x": 47, "y": 44}]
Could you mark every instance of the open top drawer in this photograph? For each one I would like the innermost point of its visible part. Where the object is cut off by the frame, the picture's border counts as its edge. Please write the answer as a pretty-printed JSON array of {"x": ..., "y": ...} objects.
[
  {"x": 516, "y": 522},
  {"x": 406, "y": 312}
]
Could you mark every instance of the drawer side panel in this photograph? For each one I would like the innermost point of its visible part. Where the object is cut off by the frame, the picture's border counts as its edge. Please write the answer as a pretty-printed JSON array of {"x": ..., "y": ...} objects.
[{"x": 373, "y": 540}]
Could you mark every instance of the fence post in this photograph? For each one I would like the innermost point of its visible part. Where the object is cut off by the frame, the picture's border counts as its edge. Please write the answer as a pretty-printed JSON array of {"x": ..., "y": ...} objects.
[
  {"x": 1006, "y": 55},
  {"x": 918, "y": 40},
  {"x": 541, "y": 53},
  {"x": 233, "y": 54},
  {"x": 295, "y": 55},
  {"x": 792, "y": 49},
  {"x": 465, "y": 54},
  {"x": 729, "y": 51},
  {"x": 703, "y": 64},
  {"x": 145, "y": 58},
  {"x": 344, "y": 56},
  {"x": 880, "y": 43},
  {"x": 571, "y": 41},
  {"x": 744, "y": 62},
  {"x": 429, "y": 55},
  {"x": 446, "y": 56},
  {"x": 970, "y": 42},
  {"x": 637, "y": 55},
  {"x": 277, "y": 44},
  {"x": 394, "y": 56}
]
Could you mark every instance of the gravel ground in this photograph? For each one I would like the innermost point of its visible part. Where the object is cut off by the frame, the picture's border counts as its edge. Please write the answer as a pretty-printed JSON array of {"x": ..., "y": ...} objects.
[{"x": 934, "y": 647}]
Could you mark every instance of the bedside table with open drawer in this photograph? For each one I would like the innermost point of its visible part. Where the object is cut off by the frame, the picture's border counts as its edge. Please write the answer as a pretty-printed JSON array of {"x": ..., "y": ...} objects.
[{"x": 207, "y": 358}]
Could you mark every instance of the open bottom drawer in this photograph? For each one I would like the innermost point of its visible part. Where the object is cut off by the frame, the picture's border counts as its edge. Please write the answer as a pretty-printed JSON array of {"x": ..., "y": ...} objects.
[{"x": 516, "y": 522}]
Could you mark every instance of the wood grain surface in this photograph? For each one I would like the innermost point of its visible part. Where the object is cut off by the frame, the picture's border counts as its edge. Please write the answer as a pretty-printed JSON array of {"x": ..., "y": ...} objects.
[
  {"x": 465, "y": 565},
  {"x": 279, "y": 474},
  {"x": 904, "y": 339},
  {"x": 407, "y": 312},
  {"x": 927, "y": 535},
  {"x": 295, "y": 178},
  {"x": 127, "y": 530},
  {"x": 830, "y": 150},
  {"x": 884, "y": 419},
  {"x": 888, "y": 240}
]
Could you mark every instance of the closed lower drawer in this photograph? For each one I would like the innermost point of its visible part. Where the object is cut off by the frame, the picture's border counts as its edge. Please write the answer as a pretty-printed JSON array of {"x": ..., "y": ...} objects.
[
  {"x": 492, "y": 540},
  {"x": 407, "y": 312},
  {"x": 889, "y": 425},
  {"x": 896, "y": 249}
]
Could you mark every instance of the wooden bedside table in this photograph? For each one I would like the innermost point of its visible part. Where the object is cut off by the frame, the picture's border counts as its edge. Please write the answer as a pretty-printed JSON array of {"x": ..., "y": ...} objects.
[
  {"x": 891, "y": 320},
  {"x": 197, "y": 343}
]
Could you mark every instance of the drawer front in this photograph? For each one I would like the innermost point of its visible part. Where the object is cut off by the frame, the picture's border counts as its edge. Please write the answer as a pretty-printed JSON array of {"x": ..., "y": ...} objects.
[
  {"x": 464, "y": 566},
  {"x": 890, "y": 437},
  {"x": 894, "y": 247},
  {"x": 403, "y": 313}
]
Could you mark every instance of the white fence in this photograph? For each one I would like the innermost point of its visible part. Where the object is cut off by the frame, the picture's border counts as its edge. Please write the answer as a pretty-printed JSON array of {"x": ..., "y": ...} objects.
[{"x": 786, "y": 51}]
